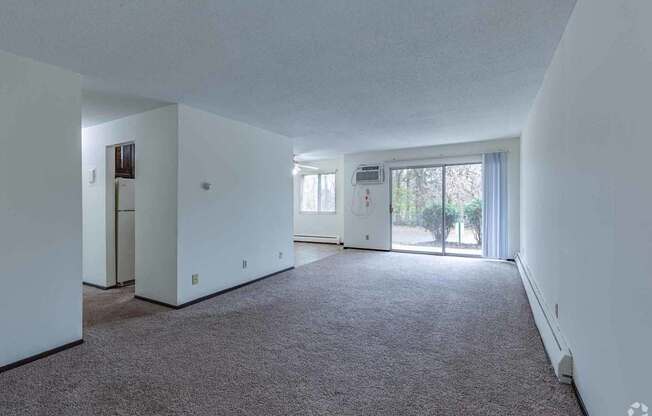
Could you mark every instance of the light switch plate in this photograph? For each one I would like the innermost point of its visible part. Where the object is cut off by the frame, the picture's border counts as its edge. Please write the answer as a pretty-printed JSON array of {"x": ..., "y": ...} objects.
[{"x": 195, "y": 279}]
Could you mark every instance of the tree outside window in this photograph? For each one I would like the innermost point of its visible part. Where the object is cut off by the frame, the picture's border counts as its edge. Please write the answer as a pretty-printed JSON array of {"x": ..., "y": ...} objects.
[{"x": 318, "y": 193}]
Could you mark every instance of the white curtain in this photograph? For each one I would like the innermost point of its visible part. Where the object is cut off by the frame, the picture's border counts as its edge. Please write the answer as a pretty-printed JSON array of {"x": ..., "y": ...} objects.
[{"x": 494, "y": 218}]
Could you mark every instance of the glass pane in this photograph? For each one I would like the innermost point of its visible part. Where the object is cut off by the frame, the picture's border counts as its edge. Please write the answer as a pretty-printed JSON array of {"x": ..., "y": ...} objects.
[
  {"x": 309, "y": 193},
  {"x": 417, "y": 212},
  {"x": 464, "y": 209},
  {"x": 327, "y": 193}
]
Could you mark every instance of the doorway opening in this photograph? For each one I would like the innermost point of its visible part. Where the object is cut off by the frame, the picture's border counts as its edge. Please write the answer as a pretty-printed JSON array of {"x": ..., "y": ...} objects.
[
  {"x": 115, "y": 212},
  {"x": 437, "y": 209},
  {"x": 125, "y": 213}
]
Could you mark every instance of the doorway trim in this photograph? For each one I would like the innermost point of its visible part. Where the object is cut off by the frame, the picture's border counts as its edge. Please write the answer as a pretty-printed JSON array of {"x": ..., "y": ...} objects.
[{"x": 109, "y": 207}]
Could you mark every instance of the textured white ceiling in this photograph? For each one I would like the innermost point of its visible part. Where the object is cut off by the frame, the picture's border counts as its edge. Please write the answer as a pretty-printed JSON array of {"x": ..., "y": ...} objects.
[
  {"x": 100, "y": 106},
  {"x": 335, "y": 75}
]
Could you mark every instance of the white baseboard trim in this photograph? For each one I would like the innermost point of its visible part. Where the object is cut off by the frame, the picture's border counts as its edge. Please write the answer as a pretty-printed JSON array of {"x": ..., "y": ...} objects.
[
  {"x": 309, "y": 238},
  {"x": 556, "y": 346}
]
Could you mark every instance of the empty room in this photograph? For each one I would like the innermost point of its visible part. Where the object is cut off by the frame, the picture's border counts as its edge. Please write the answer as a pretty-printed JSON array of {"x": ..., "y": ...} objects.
[{"x": 325, "y": 207}]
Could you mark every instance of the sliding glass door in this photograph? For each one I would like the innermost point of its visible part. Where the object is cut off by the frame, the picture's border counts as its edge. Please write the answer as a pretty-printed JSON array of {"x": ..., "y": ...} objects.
[
  {"x": 416, "y": 209},
  {"x": 437, "y": 209},
  {"x": 464, "y": 198}
]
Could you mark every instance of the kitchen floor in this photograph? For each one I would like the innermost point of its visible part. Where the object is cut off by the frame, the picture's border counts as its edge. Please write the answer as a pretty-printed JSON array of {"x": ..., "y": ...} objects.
[
  {"x": 114, "y": 305},
  {"x": 305, "y": 253}
]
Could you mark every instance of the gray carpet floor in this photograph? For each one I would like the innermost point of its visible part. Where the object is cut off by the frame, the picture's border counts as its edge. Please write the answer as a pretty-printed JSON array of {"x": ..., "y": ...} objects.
[{"x": 357, "y": 333}]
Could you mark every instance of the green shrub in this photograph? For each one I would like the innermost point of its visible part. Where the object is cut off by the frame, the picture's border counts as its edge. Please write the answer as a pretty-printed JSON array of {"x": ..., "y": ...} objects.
[
  {"x": 431, "y": 219},
  {"x": 473, "y": 218}
]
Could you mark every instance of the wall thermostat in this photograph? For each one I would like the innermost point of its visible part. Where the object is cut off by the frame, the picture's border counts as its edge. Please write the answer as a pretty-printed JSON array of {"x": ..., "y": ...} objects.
[{"x": 91, "y": 175}]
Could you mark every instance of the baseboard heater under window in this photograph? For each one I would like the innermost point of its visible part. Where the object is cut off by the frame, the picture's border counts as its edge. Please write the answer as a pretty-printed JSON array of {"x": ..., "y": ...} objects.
[
  {"x": 553, "y": 341},
  {"x": 311, "y": 238}
]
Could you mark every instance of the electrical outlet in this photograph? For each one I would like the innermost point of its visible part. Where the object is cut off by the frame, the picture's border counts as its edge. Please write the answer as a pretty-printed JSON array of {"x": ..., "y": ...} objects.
[
  {"x": 195, "y": 279},
  {"x": 244, "y": 264},
  {"x": 280, "y": 254},
  {"x": 366, "y": 237},
  {"x": 557, "y": 310}
]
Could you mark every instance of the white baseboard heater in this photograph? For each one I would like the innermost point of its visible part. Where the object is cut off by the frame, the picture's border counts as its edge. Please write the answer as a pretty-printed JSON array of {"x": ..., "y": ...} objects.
[
  {"x": 311, "y": 238},
  {"x": 553, "y": 341}
]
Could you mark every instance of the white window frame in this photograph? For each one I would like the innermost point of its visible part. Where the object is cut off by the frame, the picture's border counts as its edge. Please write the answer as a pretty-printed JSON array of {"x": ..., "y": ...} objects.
[{"x": 319, "y": 211}]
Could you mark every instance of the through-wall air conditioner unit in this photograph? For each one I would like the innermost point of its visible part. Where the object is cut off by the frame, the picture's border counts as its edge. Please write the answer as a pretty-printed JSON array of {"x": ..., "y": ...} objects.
[{"x": 369, "y": 174}]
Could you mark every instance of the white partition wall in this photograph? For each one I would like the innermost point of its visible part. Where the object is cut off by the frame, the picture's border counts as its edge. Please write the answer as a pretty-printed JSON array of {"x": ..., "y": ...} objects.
[
  {"x": 155, "y": 136},
  {"x": 246, "y": 212},
  {"x": 40, "y": 208},
  {"x": 586, "y": 196},
  {"x": 211, "y": 193}
]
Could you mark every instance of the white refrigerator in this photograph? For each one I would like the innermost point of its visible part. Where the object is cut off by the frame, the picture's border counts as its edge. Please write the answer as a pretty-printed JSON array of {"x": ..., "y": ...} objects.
[{"x": 125, "y": 236}]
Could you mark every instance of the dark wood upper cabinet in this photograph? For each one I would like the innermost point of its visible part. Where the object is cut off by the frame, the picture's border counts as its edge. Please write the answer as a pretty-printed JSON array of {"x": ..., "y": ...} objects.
[{"x": 125, "y": 161}]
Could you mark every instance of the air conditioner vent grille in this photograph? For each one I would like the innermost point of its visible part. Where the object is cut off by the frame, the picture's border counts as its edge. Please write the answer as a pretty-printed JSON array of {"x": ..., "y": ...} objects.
[{"x": 369, "y": 174}]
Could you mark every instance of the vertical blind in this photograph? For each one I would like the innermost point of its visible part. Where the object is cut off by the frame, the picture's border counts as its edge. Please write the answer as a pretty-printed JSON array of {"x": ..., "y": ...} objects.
[{"x": 494, "y": 223}]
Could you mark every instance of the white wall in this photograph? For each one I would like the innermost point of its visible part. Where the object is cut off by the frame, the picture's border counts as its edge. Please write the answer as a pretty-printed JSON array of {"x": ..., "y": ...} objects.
[
  {"x": 182, "y": 229},
  {"x": 155, "y": 136},
  {"x": 586, "y": 197},
  {"x": 40, "y": 208},
  {"x": 377, "y": 225},
  {"x": 321, "y": 224},
  {"x": 247, "y": 214}
]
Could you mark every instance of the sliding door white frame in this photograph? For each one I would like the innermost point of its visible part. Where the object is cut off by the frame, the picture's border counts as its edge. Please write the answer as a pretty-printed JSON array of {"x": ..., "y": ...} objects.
[{"x": 443, "y": 208}]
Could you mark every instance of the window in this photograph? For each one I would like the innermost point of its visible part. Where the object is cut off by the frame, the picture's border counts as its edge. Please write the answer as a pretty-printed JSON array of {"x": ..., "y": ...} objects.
[{"x": 318, "y": 193}]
